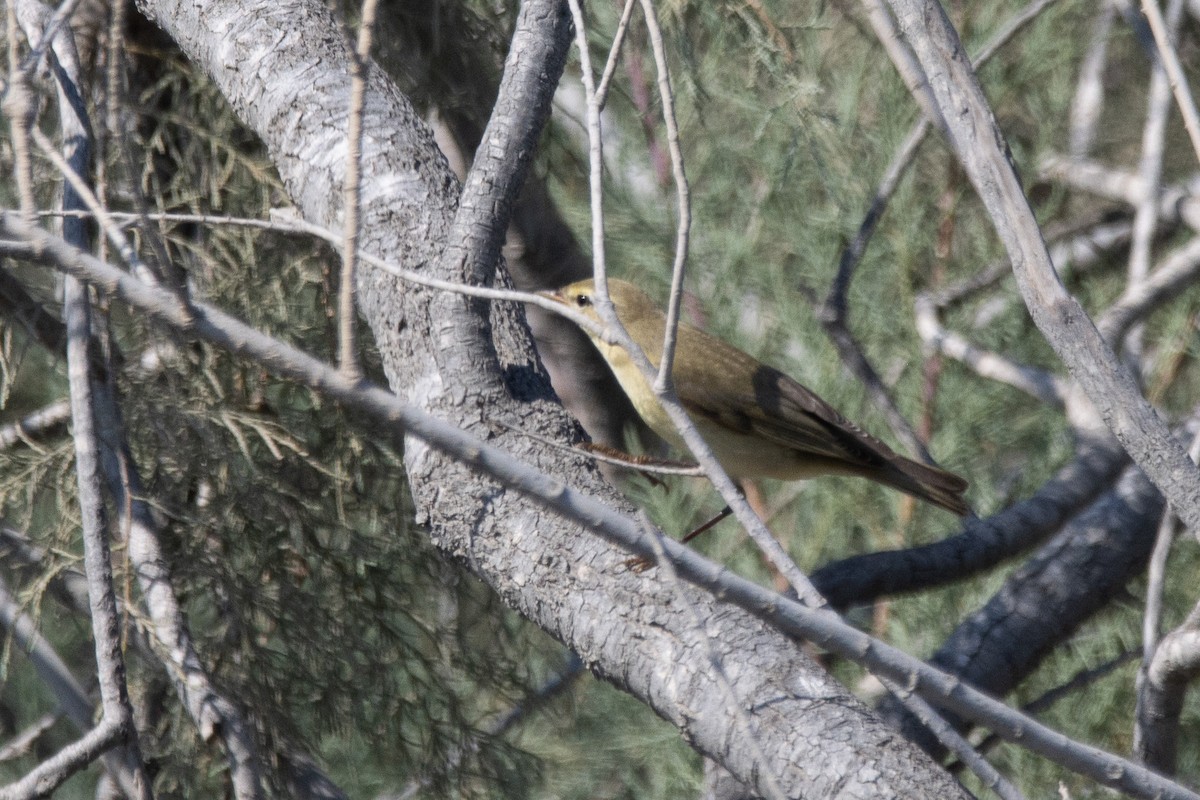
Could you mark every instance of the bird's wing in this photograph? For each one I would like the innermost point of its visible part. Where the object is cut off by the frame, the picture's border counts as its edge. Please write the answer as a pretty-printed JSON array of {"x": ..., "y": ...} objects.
[
  {"x": 777, "y": 409},
  {"x": 797, "y": 417}
]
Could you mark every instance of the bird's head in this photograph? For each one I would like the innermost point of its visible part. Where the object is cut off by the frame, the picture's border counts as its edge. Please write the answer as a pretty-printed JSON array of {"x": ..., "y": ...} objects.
[{"x": 630, "y": 302}]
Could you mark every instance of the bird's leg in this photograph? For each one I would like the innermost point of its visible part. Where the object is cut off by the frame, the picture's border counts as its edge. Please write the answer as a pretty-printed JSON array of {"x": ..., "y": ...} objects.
[
  {"x": 722, "y": 514},
  {"x": 747, "y": 490},
  {"x": 640, "y": 564}
]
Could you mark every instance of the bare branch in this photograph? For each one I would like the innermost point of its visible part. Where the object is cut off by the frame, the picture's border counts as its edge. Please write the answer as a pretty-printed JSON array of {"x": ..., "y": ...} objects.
[
  {"x": 1170, "y": 61},
  {"x": 1037, "y": 383},
  {"x": 20, "y": 744},
  {"x": 39, "y": 423},
  {"x": 1145, "y": 222},
  {"x": 1175, "y": 203},
  {"x": 682, "y": 197},
  {"x": 1088, "y": 101},
  {"x": 1178, "y": 271},
  {"x": 610, "y": 66},
  {"x": 1175, "y": 665},
  {"x": 883, "y": 23},
  {"x": 54, "y": 771},
  {"x": 1072, "y": 252},
  {"x": 351, "y": 193},
  {"x": 1047, "y": 699},
  {"x": 1167, "y": 666},
  {"x": 954, "y": 742},
  {"x": 70, "y": 695}
]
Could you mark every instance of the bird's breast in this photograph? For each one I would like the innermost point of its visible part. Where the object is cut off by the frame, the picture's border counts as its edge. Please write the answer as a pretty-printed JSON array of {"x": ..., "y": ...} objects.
[{"x": 640, "y": 392}]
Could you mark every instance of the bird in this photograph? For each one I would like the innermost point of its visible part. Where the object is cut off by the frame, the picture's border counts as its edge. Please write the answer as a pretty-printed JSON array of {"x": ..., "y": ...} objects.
[{"x": 759, "y": 422}]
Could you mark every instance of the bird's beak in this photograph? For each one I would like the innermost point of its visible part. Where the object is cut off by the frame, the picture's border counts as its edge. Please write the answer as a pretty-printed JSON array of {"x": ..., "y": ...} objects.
[{"x": 553, "y": 294}]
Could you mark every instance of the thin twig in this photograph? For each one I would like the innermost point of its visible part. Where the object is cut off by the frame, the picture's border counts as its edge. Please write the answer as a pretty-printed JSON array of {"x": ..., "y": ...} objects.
[
  {"x": 1145, "y": 221},
  {"x": 1041, "y": 384},
  {"x": 1179, "y": 83},
  {"x": 954, "y": 741},
  {"x": 646, "y": 464},
  {"x": 77, "y": 182},
  {"x": 1073, "y": 249},
  {"x": 682, "y": 196},
  {"x": 23, "y": 742},
  {"x": 1177, "y": 271},
  {"x": 595, "y": 154},
  {"x": 614, "y": 53},
  {"x": 286, "y": 223},
  {"x": 1155, "y": 583},
  {"x": 1047, "y": 699},
  {"x": 1156, "y": 573},
  {"x": 351, "y": 193},
  {"x": 883, "y": 23}
]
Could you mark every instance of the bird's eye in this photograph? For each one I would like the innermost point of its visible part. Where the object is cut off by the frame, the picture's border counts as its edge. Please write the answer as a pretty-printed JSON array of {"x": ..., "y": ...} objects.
[{"x": 582, "y": 300}]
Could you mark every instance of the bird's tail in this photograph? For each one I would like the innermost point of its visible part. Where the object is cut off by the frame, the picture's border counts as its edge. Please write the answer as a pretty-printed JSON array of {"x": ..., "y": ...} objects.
[{"x": 934, "y": 485}]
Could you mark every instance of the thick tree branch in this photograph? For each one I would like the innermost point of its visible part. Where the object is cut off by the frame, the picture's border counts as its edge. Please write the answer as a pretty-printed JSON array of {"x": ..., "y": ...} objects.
[
  {"x": 1175, "y": 666},
  {"x": 983, "y": 543}
]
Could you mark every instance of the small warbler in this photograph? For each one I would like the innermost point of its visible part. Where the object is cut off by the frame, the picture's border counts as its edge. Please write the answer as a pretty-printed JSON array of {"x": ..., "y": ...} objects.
[{"x": 757, "y": 420}]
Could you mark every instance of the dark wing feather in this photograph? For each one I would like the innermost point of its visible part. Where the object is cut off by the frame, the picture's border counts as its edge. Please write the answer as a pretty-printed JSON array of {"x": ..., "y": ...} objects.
[
  {"x": 772, "y": 405},
  {"x": 792, "y": 407},
  {"x": 780, "y": 410}
]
